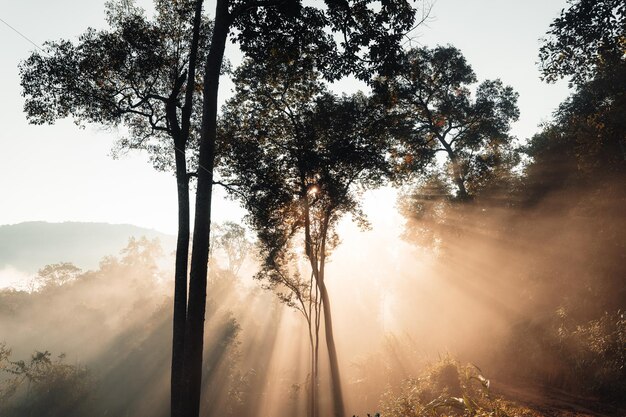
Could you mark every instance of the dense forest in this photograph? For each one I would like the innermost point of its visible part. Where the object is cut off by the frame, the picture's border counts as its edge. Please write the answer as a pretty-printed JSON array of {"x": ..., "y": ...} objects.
[{"x": 502, "y": 295}]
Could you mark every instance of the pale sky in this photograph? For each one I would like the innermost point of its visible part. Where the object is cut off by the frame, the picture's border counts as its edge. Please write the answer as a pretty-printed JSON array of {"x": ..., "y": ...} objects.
[{"x": 63, "y": 173}]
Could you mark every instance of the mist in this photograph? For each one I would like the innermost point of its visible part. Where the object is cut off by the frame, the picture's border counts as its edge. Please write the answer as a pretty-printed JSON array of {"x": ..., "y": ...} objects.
[
  {"x": 498, "y": 287},
  {"x": 402, "y": 252}
]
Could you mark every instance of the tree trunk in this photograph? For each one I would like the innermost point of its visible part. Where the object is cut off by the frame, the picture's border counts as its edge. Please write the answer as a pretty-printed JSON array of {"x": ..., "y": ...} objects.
[
  {"x": 182, "y": 243},
  {"x": 180, "y": 285},
  {"x": 317, "y": 354},
  {"x": 338, "y": 405},
  {"x": 313, "y": 401},
  {"x": 194, "y": 331},
  {"x": 339, "y": 410},
  {"x": 459, "y": 179}
]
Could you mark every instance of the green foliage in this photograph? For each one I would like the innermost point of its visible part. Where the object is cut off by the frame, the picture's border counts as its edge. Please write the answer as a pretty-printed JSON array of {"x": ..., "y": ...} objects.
[
  {"x": 431, "y": 91},
  {"x": 125, "y": 75},
  {"x": 42, "y": 385},
  {"x": 295, "y": 153},
  {"x": 588, "y": 36},
  {"x": 448, "y": 388},
  {"x": 581, "y": 357}
]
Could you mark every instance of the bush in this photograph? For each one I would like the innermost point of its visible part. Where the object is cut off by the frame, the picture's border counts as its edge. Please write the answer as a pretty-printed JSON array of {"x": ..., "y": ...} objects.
[
  {"x": 448, "y": 388},
  {"x": 586, "y": 358},
  {"x": 41, "y": 386}
]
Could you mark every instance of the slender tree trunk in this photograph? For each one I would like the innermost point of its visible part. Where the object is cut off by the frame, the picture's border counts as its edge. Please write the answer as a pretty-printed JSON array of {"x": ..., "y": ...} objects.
[
  {"x": 313, "y": 380},
  {"x": 180, "y": 285},
  {"x": 311, "y": 319},
  {"x": 339, "y": 409},
  {"x": 459, "y": 179},
  {"x": 338, "y": 405},
  {"x": 194, "y": 331},
  {"x": 317, "y": 353},
  {"x": 317, "y": 259}
]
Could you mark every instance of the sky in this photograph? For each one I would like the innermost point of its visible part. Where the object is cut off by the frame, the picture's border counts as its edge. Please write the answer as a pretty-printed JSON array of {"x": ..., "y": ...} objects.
[{"x": 65, "y": 173}]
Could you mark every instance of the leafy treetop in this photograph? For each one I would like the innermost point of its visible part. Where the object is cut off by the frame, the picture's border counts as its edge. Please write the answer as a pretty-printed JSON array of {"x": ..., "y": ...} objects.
[
  {"x": 131, "y": 74},
  {"x": 431, "y": 91},
  {"x": 588, "y": 35}
]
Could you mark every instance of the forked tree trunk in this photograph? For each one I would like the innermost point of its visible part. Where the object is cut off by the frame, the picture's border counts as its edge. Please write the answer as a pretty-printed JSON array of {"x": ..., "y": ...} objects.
[
  {"x": 338, "y": 405},
  {"x": 457, "y": 172},
  {"x": 317, "y": 259},
  {"x": 194, "y": 329},
  {"x": 182, "y": 243}
]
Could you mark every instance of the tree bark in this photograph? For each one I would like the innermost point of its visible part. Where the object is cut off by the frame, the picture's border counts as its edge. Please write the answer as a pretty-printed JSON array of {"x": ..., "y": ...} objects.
[
  {"x": 194, "y": 329},
  {"x": 180, "y": 285},
  {"x": 459, "y": 179},
  {"x": 339, "y": 409},
  {"x": 317, "y": 260},
  {"x": 182, "y": 243}
]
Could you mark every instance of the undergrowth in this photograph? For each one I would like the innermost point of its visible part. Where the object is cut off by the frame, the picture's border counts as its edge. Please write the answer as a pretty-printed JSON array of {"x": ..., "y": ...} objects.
[{"x": 448, "y": 388}]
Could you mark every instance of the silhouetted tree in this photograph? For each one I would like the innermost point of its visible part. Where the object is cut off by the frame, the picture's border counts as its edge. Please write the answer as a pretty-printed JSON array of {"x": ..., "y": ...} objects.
[
  {"x": 298, "y": 157},
  {"x": 46, "y": 386},
  {"x": 230, "y": 238},
  {"x": 588, "y": 36},
  {"x": 431, "y": 90},
  {"x": 587, "y": 138},
  {"x": 141, "y": 74},
  {"x": 352, "y": 36},
  {"x": 585, "y": 142},
  {"x": 57, "y": 274}
]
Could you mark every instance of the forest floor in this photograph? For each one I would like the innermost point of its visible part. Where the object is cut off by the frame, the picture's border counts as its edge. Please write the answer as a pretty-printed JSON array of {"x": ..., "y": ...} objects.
[{"x": 551, "y": 402}]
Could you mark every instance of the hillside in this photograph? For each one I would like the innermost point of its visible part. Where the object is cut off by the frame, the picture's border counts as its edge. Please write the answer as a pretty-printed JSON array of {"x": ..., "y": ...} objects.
[{"x": 29, "y": 246}]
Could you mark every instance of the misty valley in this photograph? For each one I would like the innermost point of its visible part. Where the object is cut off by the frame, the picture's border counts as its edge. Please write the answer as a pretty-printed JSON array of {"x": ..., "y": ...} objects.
[{"x": 360, "y": 225}]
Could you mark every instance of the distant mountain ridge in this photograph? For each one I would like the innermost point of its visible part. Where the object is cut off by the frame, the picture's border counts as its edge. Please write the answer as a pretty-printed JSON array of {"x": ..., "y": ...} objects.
[{"x": 30, "y": 246}]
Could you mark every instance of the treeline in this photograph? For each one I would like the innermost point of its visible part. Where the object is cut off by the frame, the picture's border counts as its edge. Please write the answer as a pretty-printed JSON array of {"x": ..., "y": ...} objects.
[
  {"x": 544, "y": 220},
  {"x": 550, "y": 232},
  {"x": 93, "y": 343}
]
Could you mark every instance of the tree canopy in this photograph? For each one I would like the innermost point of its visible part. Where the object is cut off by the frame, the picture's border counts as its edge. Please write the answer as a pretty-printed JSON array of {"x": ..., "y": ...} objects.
[
  {"x": 298, "y": 157},
  {"x": 432, "y": 92},
  {"x": 589, "y": 35},
  {"x": 127, "y": 75}
]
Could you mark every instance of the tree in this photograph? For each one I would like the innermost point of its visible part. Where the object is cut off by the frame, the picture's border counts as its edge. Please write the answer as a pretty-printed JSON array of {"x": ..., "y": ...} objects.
[
  {"x": 431, "y": 90},
  {"x": 231, "y": 238},
  {"x": 370, "y": 38},
  {"x": 140, "y": 74},
  {"x": 57, "y": 274},
  {"x": 298, "y": 157},
  {"x": 585, "y": 142},
  {"x": 588, "y": 36},
  {"x": 354, "y": 36},
  {"x": 586, "y": 139},
  {"x": 49, "y": 386}
]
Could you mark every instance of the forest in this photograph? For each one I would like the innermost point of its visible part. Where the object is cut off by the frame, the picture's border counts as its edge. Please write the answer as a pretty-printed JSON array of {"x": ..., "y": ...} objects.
[{"x": 501, "y": 293}]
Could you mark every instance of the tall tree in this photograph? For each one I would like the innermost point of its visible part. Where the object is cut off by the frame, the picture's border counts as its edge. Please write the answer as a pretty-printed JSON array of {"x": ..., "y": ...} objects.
[
  {"x": 588, "y": 36},
  {"x": 352, "y": 36},
  {"x": 587, "y": 138},
  {"x": 140, "y": 74},
  {"x": 298, "y": 157},
  {"x": 432, "y": 91}
]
